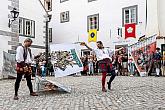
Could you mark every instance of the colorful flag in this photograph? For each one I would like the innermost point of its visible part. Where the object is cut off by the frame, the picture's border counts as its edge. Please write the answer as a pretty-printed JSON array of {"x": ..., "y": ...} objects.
[
  {"x": 130, "y": 30},
  {"x": 92, "y": 37},
  {"x": 65, "y": 59}
]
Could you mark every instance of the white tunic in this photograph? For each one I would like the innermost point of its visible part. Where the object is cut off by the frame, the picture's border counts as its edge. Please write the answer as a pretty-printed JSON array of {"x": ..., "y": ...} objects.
[
  {"x": 103, "y": 53},
  {"x": 19, "y": 55}
]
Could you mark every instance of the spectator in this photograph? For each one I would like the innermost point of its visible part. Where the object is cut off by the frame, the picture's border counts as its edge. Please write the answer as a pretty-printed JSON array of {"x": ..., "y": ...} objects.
[
  {"x": 90, "y": 65},
  {"x": 157, "y": 59}
]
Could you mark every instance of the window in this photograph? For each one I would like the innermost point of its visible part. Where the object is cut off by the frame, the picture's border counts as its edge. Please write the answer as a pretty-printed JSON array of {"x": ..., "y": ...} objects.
[
  {"x": 63, "y": 1},
  {"x": 64, "y": 17},
  {"x": 130, "y": 15},
  {"x": 93, "y": 22},
  {"x": 21, "y": 26},
  {"x": 48, "y": 5},
  {"x": 50, "y": 34},
  {"x": 91, "y": 0},
  {"x": 119, "y": 32},
  {"x": 26, "y": 27}
]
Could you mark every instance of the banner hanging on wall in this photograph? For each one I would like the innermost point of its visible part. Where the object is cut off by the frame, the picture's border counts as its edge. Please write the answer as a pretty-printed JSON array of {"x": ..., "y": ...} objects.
[
  {"x": 130, "y": 30},
  {"x": 92, "y": 37},
  {"x": 9, "y": 64}
]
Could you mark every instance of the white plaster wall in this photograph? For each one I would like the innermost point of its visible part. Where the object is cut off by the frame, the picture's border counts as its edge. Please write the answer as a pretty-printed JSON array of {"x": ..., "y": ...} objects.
[
  {"x": 4, "y": 15},
  {"x": 36, "y": 51},
  {"x": 4, "y": 47},
  {"x": 110, "y": 18},
  {"x": 4, "y": 27},
  {"x": 160, "y": 42},
  {"x": 32, "y": 9},
  {"x": 161, "y": 16},
  {"x": 42, "y": 1},
  {"x": 152, "y": 21},
  {"x": 161, "y": 21}
]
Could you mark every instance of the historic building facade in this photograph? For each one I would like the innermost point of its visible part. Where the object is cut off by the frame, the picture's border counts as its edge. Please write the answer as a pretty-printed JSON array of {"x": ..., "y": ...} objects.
[
  {"x": 30, "y": 23},
  {"x": 72, "y": 20}
]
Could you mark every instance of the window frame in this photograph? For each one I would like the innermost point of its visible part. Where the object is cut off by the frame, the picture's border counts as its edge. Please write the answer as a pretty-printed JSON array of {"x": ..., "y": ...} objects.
[
  {"x": 61, "y": 1},
  {"x": 22, "y": 26},
  {"x": 91, "y": 0},
  {"x": 32, "y": 28},
  {"x": 119, "y": 32},
  {"x": 88, "y": 22},
  {"x": 64, "y": 20},
  {"x": 129, "y": 15},
  {"x": 45, "y": 2},
  {"x": 50, "y": 37}
]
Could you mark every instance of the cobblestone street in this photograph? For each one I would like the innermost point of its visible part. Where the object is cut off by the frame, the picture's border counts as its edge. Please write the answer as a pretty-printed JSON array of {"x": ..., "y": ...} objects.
[{"x": 129, "y": 93}]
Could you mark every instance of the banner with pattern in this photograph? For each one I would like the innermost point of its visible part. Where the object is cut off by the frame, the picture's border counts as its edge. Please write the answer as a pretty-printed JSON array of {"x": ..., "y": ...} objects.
[
  {"x": 65, "y": 59},
  {"x": 143, "y": 54}
]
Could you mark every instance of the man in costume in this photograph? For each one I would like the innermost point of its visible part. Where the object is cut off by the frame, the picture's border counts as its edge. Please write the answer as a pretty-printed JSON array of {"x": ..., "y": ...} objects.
[
  {"x": 104, "y": 59},
  {"x": 24, "y": 60}
]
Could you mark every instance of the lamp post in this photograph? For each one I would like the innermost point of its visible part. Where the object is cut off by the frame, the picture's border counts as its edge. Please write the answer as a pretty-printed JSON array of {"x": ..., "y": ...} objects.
[
  {"x": 14, "y": 14},
  {"x": 47, "y": 40}
]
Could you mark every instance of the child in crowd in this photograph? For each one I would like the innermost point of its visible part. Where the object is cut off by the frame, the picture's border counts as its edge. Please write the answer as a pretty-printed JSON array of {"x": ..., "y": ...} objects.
[
  {"x": 43, "y": 69},
  {"x": 157, "y": 61},
  {"x": 90, "y": 65},
  {"x": 131, "y": 67}
]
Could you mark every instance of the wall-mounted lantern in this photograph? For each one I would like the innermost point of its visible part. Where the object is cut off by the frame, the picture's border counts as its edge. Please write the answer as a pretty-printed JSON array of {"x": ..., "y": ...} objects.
[{"x": 14, "y": 14}]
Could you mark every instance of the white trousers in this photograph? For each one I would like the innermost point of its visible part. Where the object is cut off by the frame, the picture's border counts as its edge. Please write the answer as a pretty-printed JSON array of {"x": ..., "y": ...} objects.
[{"x": 157, "y": 71}]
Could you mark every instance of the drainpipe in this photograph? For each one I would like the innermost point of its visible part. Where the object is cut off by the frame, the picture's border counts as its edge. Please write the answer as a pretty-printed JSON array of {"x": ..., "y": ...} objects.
[
  {"x": 146, "y": 14},
  {"x": 47, "y": 41}
]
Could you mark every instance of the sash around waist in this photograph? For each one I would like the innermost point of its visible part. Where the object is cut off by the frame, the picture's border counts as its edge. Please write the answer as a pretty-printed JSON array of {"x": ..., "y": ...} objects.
[
  {"x": 21, "y": 64},
  {"x": 106, "y": 60}
]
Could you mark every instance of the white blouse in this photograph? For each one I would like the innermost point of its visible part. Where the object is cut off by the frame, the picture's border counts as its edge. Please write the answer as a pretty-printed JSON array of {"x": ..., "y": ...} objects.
[
  {"x": 19, "y": 55},
  {"x": 103, "y": 53}
]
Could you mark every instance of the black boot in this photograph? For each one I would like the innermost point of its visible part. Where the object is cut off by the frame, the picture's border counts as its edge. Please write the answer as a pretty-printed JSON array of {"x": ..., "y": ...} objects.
[
  {"x": 109, "y": 85},
  {"x": 16, "y": 97}
]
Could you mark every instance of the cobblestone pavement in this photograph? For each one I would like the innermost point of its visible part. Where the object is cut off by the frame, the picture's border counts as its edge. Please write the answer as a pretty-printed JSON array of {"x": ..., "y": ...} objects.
[{"x": 129, "y": 93}]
